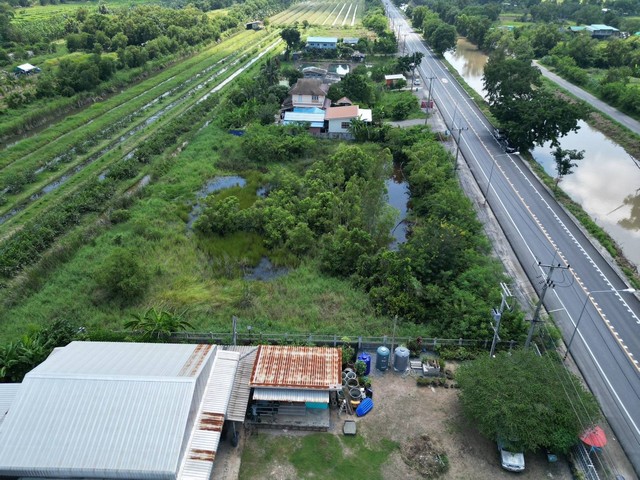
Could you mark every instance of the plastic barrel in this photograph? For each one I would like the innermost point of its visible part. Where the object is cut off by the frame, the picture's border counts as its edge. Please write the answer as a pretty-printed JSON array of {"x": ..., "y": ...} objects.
[
  {"x": 366, "y": 358},
  {"x": 401, "y": 359},
  {"x": 382, "y": 358}
]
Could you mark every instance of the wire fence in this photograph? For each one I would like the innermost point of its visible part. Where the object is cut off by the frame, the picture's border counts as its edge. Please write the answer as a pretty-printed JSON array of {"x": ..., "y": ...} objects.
[{"x": 362, "y": 342}]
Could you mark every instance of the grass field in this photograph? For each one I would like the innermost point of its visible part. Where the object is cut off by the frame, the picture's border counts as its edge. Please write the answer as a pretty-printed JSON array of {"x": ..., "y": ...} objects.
[
  {"x": 318, "y": 455},
  {"x": 184, "y": 276}
]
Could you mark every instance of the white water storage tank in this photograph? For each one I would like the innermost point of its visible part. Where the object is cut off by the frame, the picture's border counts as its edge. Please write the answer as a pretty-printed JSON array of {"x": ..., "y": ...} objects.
[{"x": 401, "y": 359}]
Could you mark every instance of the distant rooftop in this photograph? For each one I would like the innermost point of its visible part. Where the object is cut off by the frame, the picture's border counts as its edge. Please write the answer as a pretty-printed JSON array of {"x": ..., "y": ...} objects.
[{"x": 322, "y": 40}]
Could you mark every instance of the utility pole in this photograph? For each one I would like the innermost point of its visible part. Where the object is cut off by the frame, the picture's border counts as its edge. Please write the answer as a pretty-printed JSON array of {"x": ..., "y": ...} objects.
[
  {"x": 404, "y": 42},
  {"x": 426, "y": 117},
  {"x": 234, "y": 322},
  {"x": 460, "y": 130},
  {"x": 547, "y": 283},
  {"x": 497, "y": 315}
]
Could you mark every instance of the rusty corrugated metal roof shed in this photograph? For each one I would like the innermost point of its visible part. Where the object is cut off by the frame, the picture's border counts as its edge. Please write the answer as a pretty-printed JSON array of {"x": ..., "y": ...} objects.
[{"x": 297, "y": 367}]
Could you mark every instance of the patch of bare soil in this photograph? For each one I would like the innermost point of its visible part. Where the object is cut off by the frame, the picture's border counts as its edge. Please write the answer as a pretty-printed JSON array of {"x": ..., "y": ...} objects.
[
  {"x": 404, "y": 412},
  {"x": 425, "y": 457}
]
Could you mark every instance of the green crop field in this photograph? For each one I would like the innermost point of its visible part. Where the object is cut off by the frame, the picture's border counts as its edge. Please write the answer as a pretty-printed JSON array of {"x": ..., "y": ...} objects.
[{"x": 328, "y": 13}]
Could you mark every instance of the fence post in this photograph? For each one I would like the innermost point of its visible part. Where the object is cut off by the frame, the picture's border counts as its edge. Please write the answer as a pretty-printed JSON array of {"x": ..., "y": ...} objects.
[
  {"x": 459, "y": 342},
  {"x": 359, "y": 343},
  {"x": 335, "y": 340},
  {"x": 510, "y": 345},
  {"x": 384, "y": 340}
]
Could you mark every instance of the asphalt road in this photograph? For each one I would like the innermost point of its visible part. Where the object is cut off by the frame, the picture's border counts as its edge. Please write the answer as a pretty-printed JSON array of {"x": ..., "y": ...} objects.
[
  {"x": 606, "y": 347},
  {"x": 599, "y": 105}
]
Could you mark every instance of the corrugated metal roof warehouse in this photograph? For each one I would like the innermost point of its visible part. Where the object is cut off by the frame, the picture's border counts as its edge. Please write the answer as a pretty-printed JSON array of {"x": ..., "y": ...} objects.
[{"x": 118, "y": 410}]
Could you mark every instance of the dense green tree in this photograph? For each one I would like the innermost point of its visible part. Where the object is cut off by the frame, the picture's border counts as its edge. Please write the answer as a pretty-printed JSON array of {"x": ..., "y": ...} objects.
[
  {"x": 291, "y": 36},
  {"x": 530, "y": 114},
  {"x": 443, "y": 38},
  {"x": 532, "y": 401},
  {"x": 565, "y": 161}
]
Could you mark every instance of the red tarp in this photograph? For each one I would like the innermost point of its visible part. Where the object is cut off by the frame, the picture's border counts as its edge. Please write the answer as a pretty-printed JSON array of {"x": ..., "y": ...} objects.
[{"x": 594, "y": 437}]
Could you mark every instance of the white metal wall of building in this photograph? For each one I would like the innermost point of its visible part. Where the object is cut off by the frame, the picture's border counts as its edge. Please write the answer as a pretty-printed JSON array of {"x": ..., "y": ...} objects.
[
  {"x": 104, "y": 411},
  {"x": 8, "y": 392}
]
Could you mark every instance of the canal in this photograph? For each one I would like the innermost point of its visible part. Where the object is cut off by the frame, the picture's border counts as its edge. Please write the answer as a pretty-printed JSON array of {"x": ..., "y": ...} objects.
[{"x": 606, "y": 183}]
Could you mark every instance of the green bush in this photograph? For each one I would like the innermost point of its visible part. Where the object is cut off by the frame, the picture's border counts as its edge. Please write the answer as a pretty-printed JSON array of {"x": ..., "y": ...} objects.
[{"x": 122, "y": 276}]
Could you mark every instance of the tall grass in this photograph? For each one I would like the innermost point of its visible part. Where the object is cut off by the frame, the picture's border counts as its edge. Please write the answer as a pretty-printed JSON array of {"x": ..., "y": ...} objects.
[{"x": 187, "y": 271}]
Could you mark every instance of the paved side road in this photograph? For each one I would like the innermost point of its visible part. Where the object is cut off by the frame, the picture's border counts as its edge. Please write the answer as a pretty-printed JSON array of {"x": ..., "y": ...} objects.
[{"x": 618, "y": 116}]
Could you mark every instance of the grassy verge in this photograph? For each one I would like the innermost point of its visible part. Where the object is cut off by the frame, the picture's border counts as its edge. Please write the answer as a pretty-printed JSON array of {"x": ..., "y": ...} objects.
[{"x": 319, "y": 455}]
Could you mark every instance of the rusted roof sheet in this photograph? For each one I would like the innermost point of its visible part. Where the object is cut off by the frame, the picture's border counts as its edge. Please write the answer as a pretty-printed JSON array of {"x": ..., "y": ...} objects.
[
  {"x": 239, "y": 400},
  {"x": 297, "y": 367}
]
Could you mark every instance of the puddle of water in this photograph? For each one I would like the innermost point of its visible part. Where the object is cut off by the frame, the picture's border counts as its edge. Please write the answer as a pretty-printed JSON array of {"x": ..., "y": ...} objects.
[
  {"x": 265, "y": 271},
  {"x": 214, "y": 185},
  {"x": 398, "y": 195},
  {"x": 263, "y": 191},
  {"x": 340, "y": 69}
]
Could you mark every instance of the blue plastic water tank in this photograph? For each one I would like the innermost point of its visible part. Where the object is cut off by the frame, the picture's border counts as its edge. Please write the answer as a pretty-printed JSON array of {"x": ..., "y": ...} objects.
[
  {"x": 382, "y": 358},
  {"x": 366, "y": 358}
]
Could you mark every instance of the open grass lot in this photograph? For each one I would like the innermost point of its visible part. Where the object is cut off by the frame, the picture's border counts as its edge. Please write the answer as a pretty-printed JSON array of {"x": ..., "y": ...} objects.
[
  {"x": 402, "y": 413},
  {"x": 188, "y": 273},
  {"x": 329, "y": 13}
]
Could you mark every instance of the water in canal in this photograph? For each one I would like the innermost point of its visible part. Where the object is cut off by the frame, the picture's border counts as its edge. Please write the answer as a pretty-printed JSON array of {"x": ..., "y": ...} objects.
[
  {"x": 398, "y": 194},
  {"x": 606, "y": 183}
]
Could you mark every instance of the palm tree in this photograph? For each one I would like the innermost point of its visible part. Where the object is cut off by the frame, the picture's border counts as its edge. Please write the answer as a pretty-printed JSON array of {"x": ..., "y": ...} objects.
[{"x": 157, "y": 325}]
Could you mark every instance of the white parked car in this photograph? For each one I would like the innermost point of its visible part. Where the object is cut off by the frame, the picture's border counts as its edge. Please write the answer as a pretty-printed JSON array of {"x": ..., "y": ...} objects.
[
  {"x": 417, "y": 81},
  {"x": 512, "y": 461}
]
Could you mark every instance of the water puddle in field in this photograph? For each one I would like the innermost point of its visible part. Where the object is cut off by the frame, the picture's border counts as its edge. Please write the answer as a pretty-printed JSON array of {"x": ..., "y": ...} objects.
[
  {"x": 339, "y": 69},
  {"x": 214, "y": 185},
  {"x": 265, "y": 271},
  {"x": 398, "y": 197},
  {"x": 263, "y": 192}
]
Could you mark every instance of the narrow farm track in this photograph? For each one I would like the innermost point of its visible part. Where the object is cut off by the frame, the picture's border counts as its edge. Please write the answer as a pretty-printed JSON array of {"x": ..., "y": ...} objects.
[
  {"x": 284, "y": 17},
  {"x": 320, "y": 13},
  {"x": 124, "y": 143},
  {"x": 353, "y": 20}
]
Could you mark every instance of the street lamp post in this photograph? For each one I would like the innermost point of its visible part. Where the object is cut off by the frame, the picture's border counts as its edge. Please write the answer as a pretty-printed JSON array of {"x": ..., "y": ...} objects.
[
  {"x": 493, "y": 164},
  {"x": 584, "y": 307}
]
